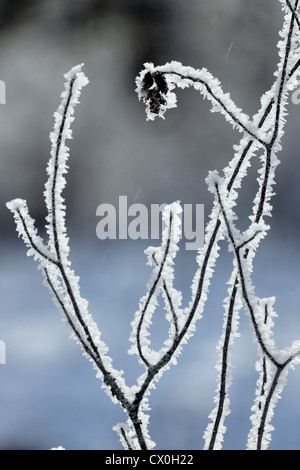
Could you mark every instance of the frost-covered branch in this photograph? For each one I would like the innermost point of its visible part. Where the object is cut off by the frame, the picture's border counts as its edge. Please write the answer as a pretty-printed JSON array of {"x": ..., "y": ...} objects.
[
  {"x": 154, "y": 86},
  {"x": 261, "y": 208},
  {"x": 160, "y": 275},
  {"x": 274, "y": 364},
  {"x": 261, "y": 136},
  {"x": 53, "y": 258}
]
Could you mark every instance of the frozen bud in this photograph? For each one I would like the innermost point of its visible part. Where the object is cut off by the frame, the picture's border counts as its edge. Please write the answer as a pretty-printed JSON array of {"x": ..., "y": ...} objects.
[{"x": 153, "y": 88}]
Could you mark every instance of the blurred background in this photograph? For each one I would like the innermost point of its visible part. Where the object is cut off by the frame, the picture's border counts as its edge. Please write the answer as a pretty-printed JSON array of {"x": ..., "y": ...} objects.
[{"x": 49, "y": 395}]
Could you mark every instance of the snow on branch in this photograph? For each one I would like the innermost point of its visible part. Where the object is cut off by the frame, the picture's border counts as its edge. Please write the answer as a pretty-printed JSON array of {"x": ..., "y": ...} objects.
[
  {"x": 161, "y": 258},
  {"x": 155, "y": 85},
  {"x": 53, "y": 258},
  {"x": 261, "y": 137},
  {"x": 273, "y": 363}
]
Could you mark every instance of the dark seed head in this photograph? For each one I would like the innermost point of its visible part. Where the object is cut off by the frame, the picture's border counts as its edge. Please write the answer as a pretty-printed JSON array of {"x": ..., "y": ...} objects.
[
  {"x": 154, "y": 86},
  {"x": 147, "y": 82},
  {"x": 161, "y": 82}
]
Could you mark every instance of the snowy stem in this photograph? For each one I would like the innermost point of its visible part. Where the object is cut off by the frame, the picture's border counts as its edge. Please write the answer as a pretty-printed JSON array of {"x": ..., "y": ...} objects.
[
  {"x": 267, "y": 353},
  {"x": 151, "y": 294},
  {"x": 259, "y": 212}
]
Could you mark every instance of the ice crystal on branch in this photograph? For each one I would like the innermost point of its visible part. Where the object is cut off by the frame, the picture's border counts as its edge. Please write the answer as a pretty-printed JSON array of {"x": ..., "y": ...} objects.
[{"x": 261, "y": 137}]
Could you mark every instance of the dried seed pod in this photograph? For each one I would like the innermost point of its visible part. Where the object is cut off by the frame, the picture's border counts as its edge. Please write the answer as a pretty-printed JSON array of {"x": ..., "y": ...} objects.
[
  {"x": 153, "y": 88},
  {"x": 147, "y": 82},
  {"x": 161, "y": 82}
]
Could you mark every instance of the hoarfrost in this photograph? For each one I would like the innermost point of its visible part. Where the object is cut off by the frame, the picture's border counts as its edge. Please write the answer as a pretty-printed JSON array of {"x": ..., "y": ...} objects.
[{"x": 261, "y": 137}]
